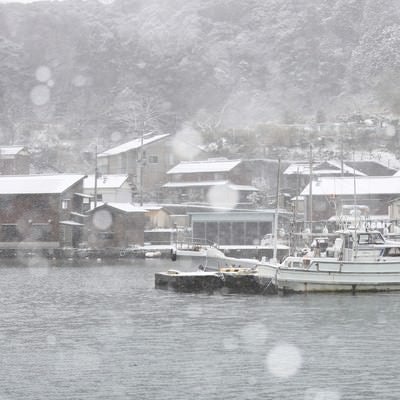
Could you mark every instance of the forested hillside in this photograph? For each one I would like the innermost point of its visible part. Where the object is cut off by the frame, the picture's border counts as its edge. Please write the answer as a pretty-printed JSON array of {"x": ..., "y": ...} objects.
[{"x": 74, "y": 71}]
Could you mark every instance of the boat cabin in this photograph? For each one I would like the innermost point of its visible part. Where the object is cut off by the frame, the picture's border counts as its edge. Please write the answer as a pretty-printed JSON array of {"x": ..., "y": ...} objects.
[
  {"x": 359, "y": 245},
  {"x": 392, "y": 251}
]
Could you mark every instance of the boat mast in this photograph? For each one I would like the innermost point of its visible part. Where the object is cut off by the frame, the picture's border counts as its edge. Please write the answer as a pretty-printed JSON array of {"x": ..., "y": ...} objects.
[
  {"x": 355, "y": 211},
  {"x": 293, "y": 241},
  {"x": 310, "y": 210},
  {"x": 275, "y": 253}
]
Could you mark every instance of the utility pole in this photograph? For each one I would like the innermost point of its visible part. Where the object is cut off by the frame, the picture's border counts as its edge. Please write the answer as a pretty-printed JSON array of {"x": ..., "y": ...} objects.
[{"x": 141, "y": 165}]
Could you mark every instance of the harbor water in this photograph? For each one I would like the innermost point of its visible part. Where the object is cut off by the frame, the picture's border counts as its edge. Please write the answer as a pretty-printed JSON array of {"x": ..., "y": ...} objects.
[{"x": 101, "y": 331}]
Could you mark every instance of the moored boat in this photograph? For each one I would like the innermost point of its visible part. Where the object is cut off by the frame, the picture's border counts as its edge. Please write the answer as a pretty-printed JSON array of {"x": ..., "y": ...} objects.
[{"x": 361, "y": 261}]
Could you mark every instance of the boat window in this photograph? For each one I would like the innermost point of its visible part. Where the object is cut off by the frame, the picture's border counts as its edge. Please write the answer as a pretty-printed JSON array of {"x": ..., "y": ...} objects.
[
  {"x": 296, "y": 264},
  {"x": 376, "y": 238},
  {"x": 363, "y": 238},
  {"x": 370, "y": 238},
  {"x": 392, "y": 252}
]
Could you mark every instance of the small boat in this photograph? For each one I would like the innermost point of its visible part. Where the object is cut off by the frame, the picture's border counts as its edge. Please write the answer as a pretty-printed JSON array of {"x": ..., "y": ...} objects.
[
  {"x": 152, "y": 254},
  {"x": 203, "y": 254},
  {"x": 361, "y": 261}
]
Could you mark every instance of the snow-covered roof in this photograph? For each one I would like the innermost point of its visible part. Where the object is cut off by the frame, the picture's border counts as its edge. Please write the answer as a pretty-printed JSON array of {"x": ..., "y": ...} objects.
[
  {"x": 71, "y": 223},
  {"x": 37, "y": 184},
  {"x": 10, "y": 151},
  {"x": 194, "y": 184},
  {"x": 210, "y": 165},
  {"x": 125, "y": 207},
  {"x": 211, "y": 183},
  {"x": 324, "y": 168},
  {"x": 105, "y": 181},
  {"x": 152, "y": 207},
  {"x": 133, "y": 144},
  {"x": 364, "y": 185},
  {"x": 244, "y": 188},
  {"x": 349, "y": 218}
]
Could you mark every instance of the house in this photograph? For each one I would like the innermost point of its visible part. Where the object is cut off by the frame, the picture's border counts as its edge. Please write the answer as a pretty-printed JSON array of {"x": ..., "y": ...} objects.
[
  {"x": 330, "y": 194},
  {"x": 145, "y": 158},
  {"x": 115, "y": 225},
  {"x": 298, "y": 174},
  {"x": 199, "y": 181},
  {"x": 157, "y": 217},
  {"x": 371, "y": 168},
  {"x": 116, "y": 188},
  {"x": 14, "y": 160},
  {"x": 40, "y": 211}
]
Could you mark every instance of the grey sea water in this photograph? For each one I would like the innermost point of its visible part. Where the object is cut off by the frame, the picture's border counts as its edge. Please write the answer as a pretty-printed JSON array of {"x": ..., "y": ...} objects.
[{"x": 103, "y": 332}]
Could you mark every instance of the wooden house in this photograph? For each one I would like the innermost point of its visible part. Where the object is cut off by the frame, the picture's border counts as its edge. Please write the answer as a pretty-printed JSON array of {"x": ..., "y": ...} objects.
[
  {"x": 195, "y": 181},
  {"x": 14, "y": 160},
  {"x": 40, "y": 211},
  {"x": 146, "y": 159},
  {"x": 115, "y": 225}
]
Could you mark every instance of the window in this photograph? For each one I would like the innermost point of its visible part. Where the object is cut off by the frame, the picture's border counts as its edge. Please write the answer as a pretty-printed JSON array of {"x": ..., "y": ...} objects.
[
  {"x": 9, "y": 232},
  {"x": 105, "y": 235},
  {"x": 153, "y": 159},
  {"x": 40, "y": 232},
  {"x": 65, "y": 204}
]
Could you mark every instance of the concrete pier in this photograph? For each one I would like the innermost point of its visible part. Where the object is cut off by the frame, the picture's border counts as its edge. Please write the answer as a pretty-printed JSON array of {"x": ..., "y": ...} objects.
[{"x": 225, "y": 281}]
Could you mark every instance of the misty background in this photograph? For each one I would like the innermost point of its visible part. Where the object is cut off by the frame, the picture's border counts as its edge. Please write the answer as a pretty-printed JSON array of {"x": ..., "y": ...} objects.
[{"x": 78, "y": 73}]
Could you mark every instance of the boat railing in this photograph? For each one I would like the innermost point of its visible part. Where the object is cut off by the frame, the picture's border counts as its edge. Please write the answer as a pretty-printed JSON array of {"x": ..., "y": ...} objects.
[{"x": 195, "y": 244}]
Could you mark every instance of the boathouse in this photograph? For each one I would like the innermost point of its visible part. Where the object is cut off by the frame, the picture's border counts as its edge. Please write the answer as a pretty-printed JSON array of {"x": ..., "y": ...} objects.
[
  {"x": 40, "y": 211},
  {"x": 237, "y": 227},
  {"x": 115, "y": 225},
  {"x": 14, "y": 160}
]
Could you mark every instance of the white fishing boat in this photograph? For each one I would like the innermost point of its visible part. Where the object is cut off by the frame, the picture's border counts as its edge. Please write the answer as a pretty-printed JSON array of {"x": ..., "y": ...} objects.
[
  {"x": 361, "y": 261},
  {"x": 199, "y": 254}
]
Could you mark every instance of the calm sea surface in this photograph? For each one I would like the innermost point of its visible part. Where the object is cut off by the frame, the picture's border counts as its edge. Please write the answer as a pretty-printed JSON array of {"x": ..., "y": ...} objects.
[{"x": 103, "y": 332}]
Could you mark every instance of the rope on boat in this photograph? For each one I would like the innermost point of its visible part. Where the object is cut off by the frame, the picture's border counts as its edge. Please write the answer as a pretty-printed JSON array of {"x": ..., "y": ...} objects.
[{"x": 267, "y": 286}]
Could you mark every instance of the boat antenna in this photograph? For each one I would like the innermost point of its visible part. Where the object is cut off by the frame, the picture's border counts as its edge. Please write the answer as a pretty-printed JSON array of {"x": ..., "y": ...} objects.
[{"x": 293, "y": 241}]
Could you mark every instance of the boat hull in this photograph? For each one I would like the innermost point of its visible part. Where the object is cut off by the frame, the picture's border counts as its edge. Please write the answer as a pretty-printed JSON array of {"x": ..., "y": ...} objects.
[
  {"x": 321, "y": 281},
  {"x": 323, "y": 275}
]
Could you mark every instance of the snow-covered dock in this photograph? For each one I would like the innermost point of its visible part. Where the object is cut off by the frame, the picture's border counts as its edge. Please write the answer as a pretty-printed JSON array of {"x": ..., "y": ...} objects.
[{"x": 226, "y": 280}]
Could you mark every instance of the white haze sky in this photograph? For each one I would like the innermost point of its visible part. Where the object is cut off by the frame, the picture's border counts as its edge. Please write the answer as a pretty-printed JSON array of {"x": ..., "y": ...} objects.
[{"x": 23, "y": 1}]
